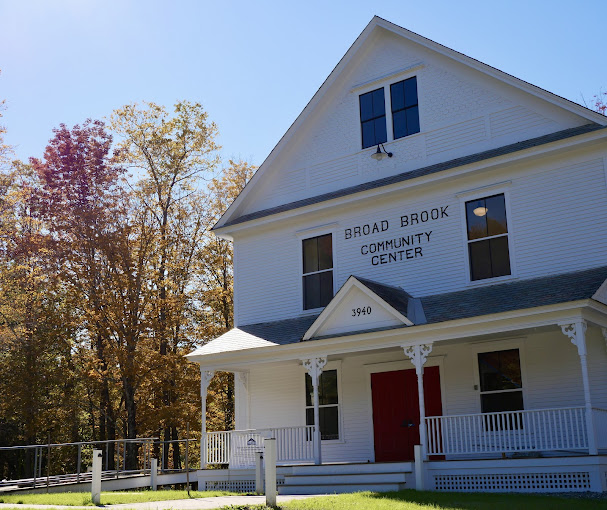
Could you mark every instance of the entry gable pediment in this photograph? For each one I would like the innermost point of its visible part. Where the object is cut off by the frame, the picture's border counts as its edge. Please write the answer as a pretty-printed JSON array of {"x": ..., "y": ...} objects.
[{"x": 362, "y": 305}]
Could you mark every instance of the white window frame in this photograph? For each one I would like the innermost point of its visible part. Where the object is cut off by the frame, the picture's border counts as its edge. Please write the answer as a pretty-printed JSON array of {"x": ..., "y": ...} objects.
[
  {"x": 502, "y": 188},
  {"x": 331, "y": 365},
  {"x": 384, "y": 82},
  {"x": 309, "y": 233}
]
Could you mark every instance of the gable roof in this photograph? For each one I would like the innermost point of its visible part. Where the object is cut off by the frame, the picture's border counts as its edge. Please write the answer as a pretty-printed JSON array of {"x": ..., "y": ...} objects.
[
  {"x": 394, "y": 300},
  {"x": 464, "y": 304},
  {"x": 377, "y": 23}
]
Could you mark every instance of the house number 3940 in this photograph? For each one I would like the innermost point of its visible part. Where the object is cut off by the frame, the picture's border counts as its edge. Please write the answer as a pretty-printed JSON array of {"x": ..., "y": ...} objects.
[{"x": 365, "y": 310}]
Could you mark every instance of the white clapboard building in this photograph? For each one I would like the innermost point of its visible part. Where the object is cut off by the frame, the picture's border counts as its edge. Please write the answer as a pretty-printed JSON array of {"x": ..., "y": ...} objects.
[{"x": 421, "y": 260}]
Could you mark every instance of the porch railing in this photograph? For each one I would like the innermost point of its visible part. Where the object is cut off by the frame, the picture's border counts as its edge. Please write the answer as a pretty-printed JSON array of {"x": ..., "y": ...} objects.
[
  {"x": 511, "y": 431},
  {"x": 237, "y": 448}
]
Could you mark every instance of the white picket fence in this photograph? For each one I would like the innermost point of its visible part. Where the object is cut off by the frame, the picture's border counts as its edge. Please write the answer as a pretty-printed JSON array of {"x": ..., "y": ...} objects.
[
  {"x": 512, "y": 431},
  {"x": 295, "y": 445}
]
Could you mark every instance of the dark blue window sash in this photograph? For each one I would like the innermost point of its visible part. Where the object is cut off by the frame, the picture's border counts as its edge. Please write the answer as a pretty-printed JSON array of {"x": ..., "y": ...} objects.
[
  {"x": 403, "y": 98},
  {"x": 373, "y": 118}
]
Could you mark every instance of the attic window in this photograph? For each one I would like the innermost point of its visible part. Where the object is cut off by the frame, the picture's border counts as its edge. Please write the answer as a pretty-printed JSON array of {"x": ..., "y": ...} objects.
[
  {"x": 373, "y": 118},
  {"x": 405, "y": 113}
]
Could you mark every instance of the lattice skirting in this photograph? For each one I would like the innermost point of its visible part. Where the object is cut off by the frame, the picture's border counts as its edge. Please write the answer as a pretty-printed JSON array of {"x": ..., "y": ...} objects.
[
  {"x": 527, "y": 482},
  {"x": 234, "y": 485}
]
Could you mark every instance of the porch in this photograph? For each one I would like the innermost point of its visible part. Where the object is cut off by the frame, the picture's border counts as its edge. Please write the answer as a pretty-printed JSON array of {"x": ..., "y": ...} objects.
[
  {"x": 576, "y": 473},
  {"x": 525, "y": 400},
  {"x": 533, "y": 433}
]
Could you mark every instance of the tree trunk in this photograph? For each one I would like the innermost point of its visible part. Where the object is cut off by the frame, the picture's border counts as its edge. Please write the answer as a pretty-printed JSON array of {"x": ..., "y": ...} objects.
[
  {"x": 176, "y": 449},
  {"x": 132, "y": 449}
]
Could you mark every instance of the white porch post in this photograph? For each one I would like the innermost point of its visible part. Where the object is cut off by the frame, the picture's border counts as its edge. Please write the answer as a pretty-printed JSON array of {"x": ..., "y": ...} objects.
[
  {"x": 418, "y": 355},
  {"x": 205, "y": 379},
  {"x": 576, "y": 331},
  {"x": 314, "y": 367}
]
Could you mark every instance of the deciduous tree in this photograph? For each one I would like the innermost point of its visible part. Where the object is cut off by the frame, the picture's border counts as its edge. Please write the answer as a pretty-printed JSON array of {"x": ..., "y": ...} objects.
[{"x": 172, "y": 154}]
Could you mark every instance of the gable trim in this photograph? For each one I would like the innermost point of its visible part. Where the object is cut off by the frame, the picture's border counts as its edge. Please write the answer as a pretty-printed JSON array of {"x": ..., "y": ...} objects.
[
  {"x": 489, "y": 70},
  {"x": 351, "y": 282}
]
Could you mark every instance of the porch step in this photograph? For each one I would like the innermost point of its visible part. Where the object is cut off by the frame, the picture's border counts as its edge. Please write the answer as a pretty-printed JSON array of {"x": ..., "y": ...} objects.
[
  {"x": 343, "y": 488},
  {"x": 342, "y": 478},
  {"x": 341, "y": 469}
]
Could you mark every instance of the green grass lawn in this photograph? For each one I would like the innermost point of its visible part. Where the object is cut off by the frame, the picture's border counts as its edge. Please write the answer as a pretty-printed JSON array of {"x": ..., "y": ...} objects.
[
  {"x": 413, "y": 500},
  {"x": 403, "y": 500},
  {"x": 107, "y": 498}
]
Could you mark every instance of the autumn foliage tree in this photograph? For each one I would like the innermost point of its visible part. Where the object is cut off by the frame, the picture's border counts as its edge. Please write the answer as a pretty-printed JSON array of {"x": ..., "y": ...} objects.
[
  {"x": 84, "y": 206},
  {"x": 173, "y": 153},
  {"x": 36, "y": 330},
  {"x": 109, "y": 274},
  {"x": 600, "y": 103}
]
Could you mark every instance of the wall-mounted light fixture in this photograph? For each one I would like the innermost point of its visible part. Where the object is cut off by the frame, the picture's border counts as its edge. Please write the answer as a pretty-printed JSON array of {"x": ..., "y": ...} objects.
[{"x": 378, "y": 155}]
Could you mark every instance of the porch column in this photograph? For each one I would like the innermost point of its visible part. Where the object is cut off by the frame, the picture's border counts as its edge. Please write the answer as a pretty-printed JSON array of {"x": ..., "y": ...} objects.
[
  {"x": 576, "y": 331},
  {"x": 418, "y": 355},
  {"x": 205, "y": 379},
  {"x": 314, "y": 367}
]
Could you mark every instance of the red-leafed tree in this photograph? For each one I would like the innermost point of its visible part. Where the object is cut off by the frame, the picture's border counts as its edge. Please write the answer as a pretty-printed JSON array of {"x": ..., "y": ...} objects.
[
  {"x": 91, "y": 234},
  {"x": 600, "y": 103}
]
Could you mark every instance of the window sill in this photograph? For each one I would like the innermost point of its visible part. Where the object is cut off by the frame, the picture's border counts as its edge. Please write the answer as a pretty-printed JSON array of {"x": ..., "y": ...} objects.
[
  {"x": 373, "y": 148},
  {"x": 312, "y": 311},
  {"x": 491, "y": 281}
]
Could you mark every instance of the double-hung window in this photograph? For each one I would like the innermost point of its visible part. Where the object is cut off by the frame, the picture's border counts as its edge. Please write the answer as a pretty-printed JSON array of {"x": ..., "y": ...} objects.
[
  {"x": 373, "y": 118},
  {"x": 501, "y": 385},
  {"x": 405, "y": 113},
  {"x": 328, "y": 404},
  {"x": 488, "y": 251},
  {"x": 403, "y": 107},
  {"x": 317, "y": 271}
]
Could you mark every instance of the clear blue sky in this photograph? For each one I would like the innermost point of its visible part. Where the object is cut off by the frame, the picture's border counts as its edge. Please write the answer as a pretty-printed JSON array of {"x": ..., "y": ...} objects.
[{"x": 255, "y": 64}]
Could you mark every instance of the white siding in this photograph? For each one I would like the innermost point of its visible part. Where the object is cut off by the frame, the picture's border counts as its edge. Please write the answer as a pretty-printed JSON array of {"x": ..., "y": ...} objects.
[
  {"x": 276, "y": 396},
  {"x": 560, "y": 218},
  {"x": 551, "y": 372},
  {"x": 558, "y": 215},
  {"x": 461, "y": 112}
]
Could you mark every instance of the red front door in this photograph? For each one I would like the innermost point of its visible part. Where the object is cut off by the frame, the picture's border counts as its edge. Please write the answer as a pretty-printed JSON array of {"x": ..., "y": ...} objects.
[{"x": 396, "y": 411}]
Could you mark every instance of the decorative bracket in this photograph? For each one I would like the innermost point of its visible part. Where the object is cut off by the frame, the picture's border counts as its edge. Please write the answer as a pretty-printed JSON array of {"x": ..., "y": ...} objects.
[
  {"x": 576, "y": 331},
  {"x": 205, "y": 379},
  {"x": 314, "y": 367},
  {"x": 418, "y": 354}
]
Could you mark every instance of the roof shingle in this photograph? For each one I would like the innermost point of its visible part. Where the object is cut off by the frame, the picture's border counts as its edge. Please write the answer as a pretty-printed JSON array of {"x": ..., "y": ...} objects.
[{"x": 463, "y": 304}]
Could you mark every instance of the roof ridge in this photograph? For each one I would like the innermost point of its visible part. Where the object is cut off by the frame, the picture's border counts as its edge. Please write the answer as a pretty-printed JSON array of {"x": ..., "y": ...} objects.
[{"x": 361, "y": 279}]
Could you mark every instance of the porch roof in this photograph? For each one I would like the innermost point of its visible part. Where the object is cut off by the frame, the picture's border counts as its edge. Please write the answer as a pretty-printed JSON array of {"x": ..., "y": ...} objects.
[{"x": 474, "y": 302}]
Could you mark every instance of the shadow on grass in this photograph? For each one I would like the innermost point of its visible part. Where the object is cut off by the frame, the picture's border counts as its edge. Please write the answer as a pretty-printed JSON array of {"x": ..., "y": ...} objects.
[{"x": 484, "y": 501}]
